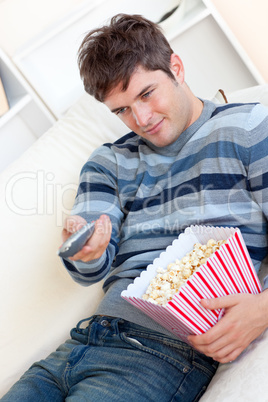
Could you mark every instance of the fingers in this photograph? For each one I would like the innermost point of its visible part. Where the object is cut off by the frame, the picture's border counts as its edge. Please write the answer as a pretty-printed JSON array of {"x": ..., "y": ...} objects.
[
  {"x": 223, "y": 349},
  {"x": 74, "y": 223},
  {"x": 218, "y": 342},
  {"x": 220, "y": 302},
  {"x": 218, "y": 350},
  {"x": 71, "y": 225},
  {"x": 98, "y": 243},
  {"x": 241, "y": 324},
  {"x": 212, "y": 344}
]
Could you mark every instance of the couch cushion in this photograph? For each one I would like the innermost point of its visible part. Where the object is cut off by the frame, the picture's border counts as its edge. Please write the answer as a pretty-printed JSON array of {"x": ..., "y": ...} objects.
[{"x": 40, "y": 302}]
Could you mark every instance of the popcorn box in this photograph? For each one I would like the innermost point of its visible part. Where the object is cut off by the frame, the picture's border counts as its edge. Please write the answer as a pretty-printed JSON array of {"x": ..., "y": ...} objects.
[{"x": 228, "y": 271}]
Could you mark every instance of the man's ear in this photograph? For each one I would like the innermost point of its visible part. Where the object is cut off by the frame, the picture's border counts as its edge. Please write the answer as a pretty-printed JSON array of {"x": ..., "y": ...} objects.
[{"x": 177, "y": 67}]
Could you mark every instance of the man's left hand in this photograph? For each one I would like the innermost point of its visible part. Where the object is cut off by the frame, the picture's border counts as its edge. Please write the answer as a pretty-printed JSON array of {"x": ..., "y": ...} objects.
[{"x": 245, "y": 318}]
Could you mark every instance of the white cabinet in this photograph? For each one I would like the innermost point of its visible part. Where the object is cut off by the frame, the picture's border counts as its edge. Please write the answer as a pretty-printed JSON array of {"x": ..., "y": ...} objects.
[
  {"x": 212, "y": 56},
  {"x": 27, "y": 117}
]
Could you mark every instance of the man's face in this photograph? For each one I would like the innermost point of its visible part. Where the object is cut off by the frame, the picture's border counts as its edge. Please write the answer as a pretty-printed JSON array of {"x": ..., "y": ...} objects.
[{"x": 154, "y": 106}]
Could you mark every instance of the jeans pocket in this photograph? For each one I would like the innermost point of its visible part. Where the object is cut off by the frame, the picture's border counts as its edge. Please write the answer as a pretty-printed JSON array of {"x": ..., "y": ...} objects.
[
  {"x": 204, "y": 363},
  {"x": 133, "y": 340},
  {"x": 179, "y": 358}
]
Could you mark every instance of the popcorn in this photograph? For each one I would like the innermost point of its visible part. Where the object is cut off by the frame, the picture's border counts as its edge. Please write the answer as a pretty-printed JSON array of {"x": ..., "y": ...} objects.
[{"x": 168, "y": 281}]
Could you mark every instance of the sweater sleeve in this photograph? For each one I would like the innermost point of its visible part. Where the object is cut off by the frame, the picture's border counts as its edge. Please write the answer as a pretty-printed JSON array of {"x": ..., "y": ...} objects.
[
  {"x": 97, "y": 194},
  {"x": 258, "y": 157},
  {"x": 255, "y": 222},
  {"x": 258, "y": 163}
]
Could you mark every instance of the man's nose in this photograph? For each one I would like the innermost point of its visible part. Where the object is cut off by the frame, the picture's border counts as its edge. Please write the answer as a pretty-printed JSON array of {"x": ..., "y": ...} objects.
[{"x": 142, "y": 114}]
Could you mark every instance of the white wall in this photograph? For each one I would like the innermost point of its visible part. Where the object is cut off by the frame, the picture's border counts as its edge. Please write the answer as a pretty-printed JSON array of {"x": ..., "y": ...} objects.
[
  {"x": 21, "y": 20},
  {"x": 248, "y": 19}
]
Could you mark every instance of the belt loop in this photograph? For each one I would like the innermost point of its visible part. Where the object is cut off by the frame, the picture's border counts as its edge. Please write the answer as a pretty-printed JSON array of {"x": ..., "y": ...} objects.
[{"x": 89, "y": 319}]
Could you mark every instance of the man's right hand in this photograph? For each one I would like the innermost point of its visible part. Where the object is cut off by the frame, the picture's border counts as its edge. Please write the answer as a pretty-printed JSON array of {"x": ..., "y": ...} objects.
[{"x": 97, "y": 244}]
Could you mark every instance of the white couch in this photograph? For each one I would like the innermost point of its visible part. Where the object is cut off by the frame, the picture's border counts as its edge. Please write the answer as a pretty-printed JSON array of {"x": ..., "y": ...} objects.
[{"x": 39, "y": 301}]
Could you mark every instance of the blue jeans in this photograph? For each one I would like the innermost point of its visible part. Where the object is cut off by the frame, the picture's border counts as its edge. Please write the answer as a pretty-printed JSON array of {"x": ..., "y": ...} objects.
[{"x": 115, "y": 360}]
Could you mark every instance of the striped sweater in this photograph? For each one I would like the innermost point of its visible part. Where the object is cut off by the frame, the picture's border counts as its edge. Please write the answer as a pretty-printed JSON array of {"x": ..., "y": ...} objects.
[{"x": 216, "y": 173}]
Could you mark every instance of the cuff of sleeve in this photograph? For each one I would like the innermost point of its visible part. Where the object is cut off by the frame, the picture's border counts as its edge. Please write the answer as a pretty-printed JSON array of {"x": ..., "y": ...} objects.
[{"x": 85, "y": 267}]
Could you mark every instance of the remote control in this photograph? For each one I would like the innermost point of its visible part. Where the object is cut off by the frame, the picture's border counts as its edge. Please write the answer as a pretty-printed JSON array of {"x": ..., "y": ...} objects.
[{"x": 76, "y": 241}]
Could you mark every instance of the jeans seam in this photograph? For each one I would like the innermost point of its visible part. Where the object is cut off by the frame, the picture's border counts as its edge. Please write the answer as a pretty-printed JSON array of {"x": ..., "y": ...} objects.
[
  {"x": 205, "y": 370},
  {"x": 60, "y": 384},
  {"x": 68, "y": 369},
  {"x": 200, "y": 393},
  {"x": 180, "y": 386}
]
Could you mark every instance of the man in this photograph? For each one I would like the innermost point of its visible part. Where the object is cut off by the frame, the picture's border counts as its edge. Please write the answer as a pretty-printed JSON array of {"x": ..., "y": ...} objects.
[{"x": 186, "y": 161}]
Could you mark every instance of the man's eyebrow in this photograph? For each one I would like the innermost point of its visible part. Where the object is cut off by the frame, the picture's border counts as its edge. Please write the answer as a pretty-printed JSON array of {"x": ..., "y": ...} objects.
[
  {"x": 136, "y": 97},
  {"x": 117, "y": 109},
  {"x": 144, "y": 90}
]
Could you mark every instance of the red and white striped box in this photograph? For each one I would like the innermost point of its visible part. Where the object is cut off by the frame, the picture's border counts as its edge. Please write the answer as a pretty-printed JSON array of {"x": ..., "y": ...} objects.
[{"x": 228, "y": 271}]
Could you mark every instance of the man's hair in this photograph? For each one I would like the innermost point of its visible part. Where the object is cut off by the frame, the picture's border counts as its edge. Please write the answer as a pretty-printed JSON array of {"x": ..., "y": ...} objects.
[{"x": 109, "y": 55}]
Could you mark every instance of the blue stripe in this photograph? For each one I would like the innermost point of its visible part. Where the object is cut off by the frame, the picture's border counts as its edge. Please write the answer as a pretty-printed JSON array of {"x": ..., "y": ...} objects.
[
  {"x": 123, "y": 142},
  {"x": 72, "y": 269},
  {"x": 227, "y": 106},
  {"x": 213, "y": 182},
  {"x": 86, "y": 187},
  {"x": 93, "y": 168},
  {"x": 121, "y": 258},
  {"x": 131, "y": 275},
  {"x": 262, "y": 182},
  {"x": 259, "y": 151}
]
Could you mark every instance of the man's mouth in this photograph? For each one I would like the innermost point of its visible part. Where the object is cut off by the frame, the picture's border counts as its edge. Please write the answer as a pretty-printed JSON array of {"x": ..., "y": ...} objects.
[{"x": 154, "y": 129}]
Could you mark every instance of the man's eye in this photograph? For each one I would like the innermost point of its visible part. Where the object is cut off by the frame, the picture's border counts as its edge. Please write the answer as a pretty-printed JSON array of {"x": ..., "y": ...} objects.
[
  {"x": 147, "y": 94},
  {"x": 121, "y": 111}
]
